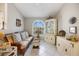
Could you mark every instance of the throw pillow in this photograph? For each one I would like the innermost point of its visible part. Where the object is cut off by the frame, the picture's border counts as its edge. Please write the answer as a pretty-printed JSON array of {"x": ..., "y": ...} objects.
[
  {"x": 27, "y": 35},
  {"x": 23, "y": 34},
  {"x": 17, "y": 37},
  {"x": 10, "y": 39}
]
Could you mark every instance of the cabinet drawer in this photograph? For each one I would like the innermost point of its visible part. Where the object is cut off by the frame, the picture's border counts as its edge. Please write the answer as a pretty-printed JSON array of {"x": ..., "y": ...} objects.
[
  {"x": 60, "y": 48},
  {"x": 67, "y": 50}
]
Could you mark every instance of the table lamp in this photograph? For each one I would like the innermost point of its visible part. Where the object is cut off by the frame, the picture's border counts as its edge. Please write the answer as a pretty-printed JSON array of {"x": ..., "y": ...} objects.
[
  {"x": 1, "y": 35},
  {"x": 2, "y": 40}
]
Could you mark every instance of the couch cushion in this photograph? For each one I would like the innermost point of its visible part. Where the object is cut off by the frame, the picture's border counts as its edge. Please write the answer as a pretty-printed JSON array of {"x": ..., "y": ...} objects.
[
  {"x": 24, "y": 35},
  {"x": 29, "y": 38},
  {"x": 17, "y": 37},
  {"x": 27, "y": 34},
  {"x": 24, "y": 43}
]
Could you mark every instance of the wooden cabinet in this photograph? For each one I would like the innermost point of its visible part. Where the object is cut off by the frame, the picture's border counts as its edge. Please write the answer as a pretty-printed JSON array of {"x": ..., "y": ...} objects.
[
  {"x": 50, "y": 30},
  {"x": 66, "y": 47},
  {"x": 50, "y": 38}
]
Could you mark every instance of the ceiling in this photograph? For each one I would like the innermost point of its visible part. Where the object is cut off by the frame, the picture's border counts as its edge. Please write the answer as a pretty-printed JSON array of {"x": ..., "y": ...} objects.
[{"x": 38, "y": 9}]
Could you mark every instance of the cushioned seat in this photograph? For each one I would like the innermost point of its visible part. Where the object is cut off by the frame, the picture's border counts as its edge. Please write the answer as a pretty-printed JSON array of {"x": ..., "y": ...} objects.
[
  {"x": 29, "y": 38},
  {"x": 24, "y": 43},
  {"x": 25, "y": 36}
]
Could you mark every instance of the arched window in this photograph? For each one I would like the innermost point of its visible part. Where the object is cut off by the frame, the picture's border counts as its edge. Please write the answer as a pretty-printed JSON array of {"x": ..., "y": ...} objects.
[{"x": 38, "y": 23}]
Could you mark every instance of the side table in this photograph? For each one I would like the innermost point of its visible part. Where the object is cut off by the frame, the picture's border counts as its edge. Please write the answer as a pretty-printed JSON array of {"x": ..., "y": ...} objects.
[
  {"x": 36, "y": 42},
  {"x": 11, "y": 51}
]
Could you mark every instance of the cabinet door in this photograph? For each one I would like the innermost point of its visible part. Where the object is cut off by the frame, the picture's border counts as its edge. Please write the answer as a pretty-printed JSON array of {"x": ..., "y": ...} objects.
[
  {"x": 60, "y": 48},
  {"x": 67, "y": 50},
  {"x": 52, "y": 39},
  {"x": 75, "y": 49},
  {"x": 51, "y": 26},
  {"x": 47, "y": 38}
]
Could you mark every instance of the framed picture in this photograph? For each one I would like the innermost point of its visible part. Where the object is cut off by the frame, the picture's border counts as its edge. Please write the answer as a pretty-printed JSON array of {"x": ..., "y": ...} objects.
[
  {"x": 73, "y": 30},
  {"x": 18, "y": 22}
]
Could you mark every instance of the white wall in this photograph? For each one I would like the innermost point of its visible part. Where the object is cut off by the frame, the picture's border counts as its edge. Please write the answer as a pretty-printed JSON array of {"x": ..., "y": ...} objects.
[
  {"x": 68, "y": 11},
  {"x": 13, "y": 14},
  {"x": 28, "y": 23}
]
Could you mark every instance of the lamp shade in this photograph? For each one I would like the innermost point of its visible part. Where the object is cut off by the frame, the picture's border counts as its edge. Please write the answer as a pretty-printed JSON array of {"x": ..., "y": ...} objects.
[{"x": 1, "y": 35}]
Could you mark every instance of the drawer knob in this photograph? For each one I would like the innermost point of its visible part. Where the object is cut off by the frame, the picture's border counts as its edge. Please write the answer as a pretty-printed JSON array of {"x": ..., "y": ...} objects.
[
  {"x": 58, "y": 44},
  {"x": 72, "y": 45},
  {"x": 65, "y": 50}
]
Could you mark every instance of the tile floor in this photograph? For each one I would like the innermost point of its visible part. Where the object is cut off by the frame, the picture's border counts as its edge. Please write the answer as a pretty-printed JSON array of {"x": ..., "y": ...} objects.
[{"x": 45, "y": 49}]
